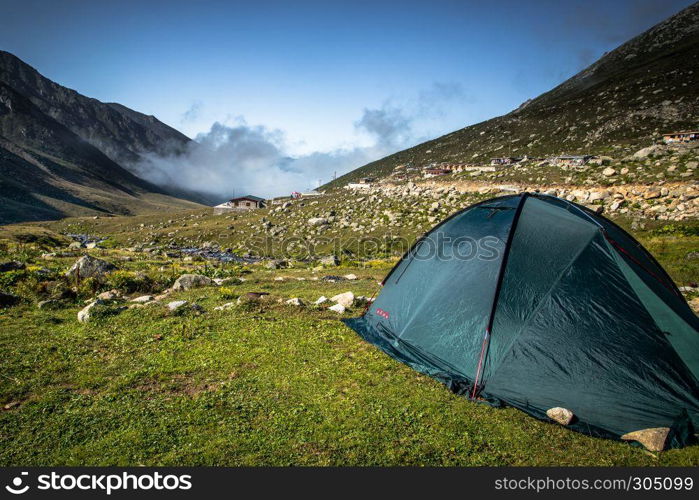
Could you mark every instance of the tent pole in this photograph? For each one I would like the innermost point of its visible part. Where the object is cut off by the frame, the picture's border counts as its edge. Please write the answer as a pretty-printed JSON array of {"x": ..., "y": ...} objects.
[{"x": 498, "y": 285}]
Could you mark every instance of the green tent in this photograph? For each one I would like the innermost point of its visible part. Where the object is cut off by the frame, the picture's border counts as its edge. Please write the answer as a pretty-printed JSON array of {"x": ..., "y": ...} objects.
[{"x": 538, "y": 303}]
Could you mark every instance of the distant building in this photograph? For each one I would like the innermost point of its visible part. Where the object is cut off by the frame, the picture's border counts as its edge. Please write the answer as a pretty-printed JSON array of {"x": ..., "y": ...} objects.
[
  {"x": 505, "y": 160},
  {"x": 243, "y": 203},
  {"x": 436, "y": 172},
  {"x": 681, "y": 137},
  {"x": 366, "y": 180}
]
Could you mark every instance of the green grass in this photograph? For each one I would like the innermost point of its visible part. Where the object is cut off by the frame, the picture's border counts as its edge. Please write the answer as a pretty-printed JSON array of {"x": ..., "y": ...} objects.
[
  {"x": 260, "y": 385},
  {"x": 254, "y": 385}
]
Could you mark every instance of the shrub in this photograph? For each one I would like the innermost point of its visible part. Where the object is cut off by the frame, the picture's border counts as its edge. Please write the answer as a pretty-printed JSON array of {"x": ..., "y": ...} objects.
[
  {"x": 11, "y": 278},
  {"x": 227, "y": 293},
  {"x": 684, "y": 230}
]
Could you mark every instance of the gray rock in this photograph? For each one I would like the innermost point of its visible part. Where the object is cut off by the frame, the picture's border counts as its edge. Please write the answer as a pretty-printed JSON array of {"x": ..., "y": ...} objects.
[
  {"x": 318, "y": 221},
  {"x": 295, "y": 302},
  {"x": 89, "y": 267},
  {"x": 110, "y": 295},
  {"x": 338, "y": 308},
  {"x": 331, "y": 260},
  {"x": 85, "y": 314},
  {"x": 653, "y": 439},
  {"x": 344, "y": 299},
  {"x": 143, "y": 299},
  {"x": 176, "y": 304},
  {"x": 561, "y": 415},
  {"x": 189, "y": 281},
  {"x": 645, "y": 152}
]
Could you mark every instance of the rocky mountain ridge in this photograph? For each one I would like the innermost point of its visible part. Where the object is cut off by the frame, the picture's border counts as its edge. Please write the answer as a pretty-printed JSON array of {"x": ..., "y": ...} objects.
[
  {"x": 619, "y": 104},
  {"x": 60, "y": 152}
]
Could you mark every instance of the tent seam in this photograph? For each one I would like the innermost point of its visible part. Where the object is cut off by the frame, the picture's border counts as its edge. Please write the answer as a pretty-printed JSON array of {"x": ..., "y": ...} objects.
[{"x": 541, "y": 301}]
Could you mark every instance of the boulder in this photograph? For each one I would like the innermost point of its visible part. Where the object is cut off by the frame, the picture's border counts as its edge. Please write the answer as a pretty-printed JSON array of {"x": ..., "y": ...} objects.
[
  {"x": 89, "y": 267},
  {"x": 598, "y": 195},
  {"x": 330, "y": 260},
  {"x": 350, "y": 277},
  {"x": 561, "y": 415},
  {"x": 85, "y": 313},
  {"x": 608, "y": 172},
  {"x": 224, "y": 307},
  {"x": 318, "y": 221},
  {"x": 344, "y": 299},
  {"x": 189, "y": 281},
  {"x": 110, "y": 295},
  {"x": 652, "y": 194},
  {"x": 645, "y": 152},
  {"x": 12, "y": 265},
  {"x": 653, "y": 439},
  {"x": 321, "y": 300},
  {"x": 295, "y": 302},
  {"x": 176, "y": 304},
  {"x": 338, "y": 308},
  {"x": 143, "y": 299}
]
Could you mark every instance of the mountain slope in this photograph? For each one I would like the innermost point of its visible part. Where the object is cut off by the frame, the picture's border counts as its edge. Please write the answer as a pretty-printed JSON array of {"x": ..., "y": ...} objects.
[
  {"x": 59, "y": 151},
  {"x": 622, "y": 102},
  {"x": 47, "y": 171},
  {"x": 119, "y": 132}
]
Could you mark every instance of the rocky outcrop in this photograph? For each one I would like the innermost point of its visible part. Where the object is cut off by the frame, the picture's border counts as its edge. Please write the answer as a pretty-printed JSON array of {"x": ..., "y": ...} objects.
[
  {"x": 189, "y": 281},
  {"x": 85, "y": 314},
  {"x": 89, "y": 267}
]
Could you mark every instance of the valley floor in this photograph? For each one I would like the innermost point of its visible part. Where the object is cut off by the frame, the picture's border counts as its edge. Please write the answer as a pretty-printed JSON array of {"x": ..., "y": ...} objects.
[{"x": 260, "y": 383}]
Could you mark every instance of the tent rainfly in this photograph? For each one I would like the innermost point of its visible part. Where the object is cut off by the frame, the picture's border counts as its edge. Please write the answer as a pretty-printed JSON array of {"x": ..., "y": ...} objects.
[{"x": 538, "y": 303}]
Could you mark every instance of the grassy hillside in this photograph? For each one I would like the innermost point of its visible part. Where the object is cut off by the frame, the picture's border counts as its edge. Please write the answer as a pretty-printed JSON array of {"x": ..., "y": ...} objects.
[{"x": 619, "y": 104}]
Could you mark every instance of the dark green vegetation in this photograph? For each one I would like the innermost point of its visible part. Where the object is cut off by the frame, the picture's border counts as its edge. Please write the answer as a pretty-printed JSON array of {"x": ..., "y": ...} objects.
[
  {"x": 265, "y": 383},
  {"x": 621, "y": 103}
]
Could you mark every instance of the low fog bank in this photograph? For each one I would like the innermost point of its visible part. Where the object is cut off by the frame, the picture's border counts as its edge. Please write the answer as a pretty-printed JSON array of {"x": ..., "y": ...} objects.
[{"x": 240, "y": 159}]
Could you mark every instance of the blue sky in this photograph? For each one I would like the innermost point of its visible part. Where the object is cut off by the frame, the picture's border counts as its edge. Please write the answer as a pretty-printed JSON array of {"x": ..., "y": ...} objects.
[{"x": 309, "y": 71}]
